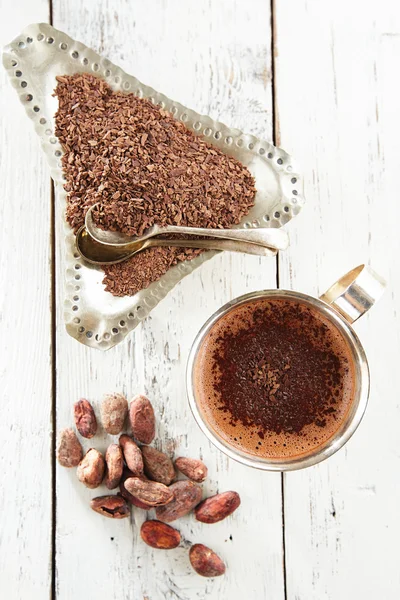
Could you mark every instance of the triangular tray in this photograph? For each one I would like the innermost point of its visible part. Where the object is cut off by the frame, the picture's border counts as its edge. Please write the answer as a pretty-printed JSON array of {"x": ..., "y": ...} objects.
[{"x": 93, "y": 316}]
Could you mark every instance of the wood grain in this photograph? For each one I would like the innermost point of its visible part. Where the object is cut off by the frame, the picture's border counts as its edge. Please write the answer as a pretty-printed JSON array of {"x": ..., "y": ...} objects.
[
  {"x": 25, "y": 330},
  {"x": 336, "y": 89},
  {"x": 214, "y": 57}
]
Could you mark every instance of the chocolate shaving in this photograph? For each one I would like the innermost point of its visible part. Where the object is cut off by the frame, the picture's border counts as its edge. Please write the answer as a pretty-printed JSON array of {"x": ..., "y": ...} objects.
[
  {"x": 143, "y": 167},
  {"x": 282, "y": 371}
]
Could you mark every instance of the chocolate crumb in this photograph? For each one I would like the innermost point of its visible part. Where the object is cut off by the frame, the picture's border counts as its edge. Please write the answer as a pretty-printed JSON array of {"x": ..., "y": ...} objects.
[
  {"x": 280, "y": 371},
  {"x": 143, "y": 167}
]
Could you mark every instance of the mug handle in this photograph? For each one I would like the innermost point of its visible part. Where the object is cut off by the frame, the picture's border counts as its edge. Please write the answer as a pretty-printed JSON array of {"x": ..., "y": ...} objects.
[{"x": 354, "y": 293}]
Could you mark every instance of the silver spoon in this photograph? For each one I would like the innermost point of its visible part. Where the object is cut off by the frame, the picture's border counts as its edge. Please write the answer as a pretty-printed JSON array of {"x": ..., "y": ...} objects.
[
  {"x": 98, "y": 253},
  {"x": 276, "y": 239}
]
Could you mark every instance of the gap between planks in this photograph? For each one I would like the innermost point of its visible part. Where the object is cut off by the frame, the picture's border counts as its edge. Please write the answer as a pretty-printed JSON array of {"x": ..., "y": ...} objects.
[
  {"x": 276, "y": 142},
  {"x": 53, "y": 376},
  {"x": 53, "y": 390}
]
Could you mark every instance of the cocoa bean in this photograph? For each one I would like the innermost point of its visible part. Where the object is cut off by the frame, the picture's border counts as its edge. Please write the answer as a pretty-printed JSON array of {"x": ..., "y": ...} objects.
[
  {"x": 128, "y": 497},
  {"x": 132, "y": 454},
  {"x": 205, "y": 561},
  {"x": 186, "y": 495},
  {"x": 157, "y": 465},
  {"x": 114, "y": 409},
  {"x": 115, "y": 466},
  {"x": 151, "y": 492},
  {"x": 85, "y": 419},
  {"x": 217, "y": 507},
  {"x": 69, "y": 453},
  {"x": 160, "y": 535},
  {"x": 113, "y": 507},
  {"x": 90, "y": 470},
  {"x": 141, "y": 416},
  {"x": 193, "y": 468}
]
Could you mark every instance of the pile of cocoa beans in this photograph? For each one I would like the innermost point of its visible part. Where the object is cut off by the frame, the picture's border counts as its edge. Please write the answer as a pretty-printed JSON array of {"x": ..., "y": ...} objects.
[{"x": 145, "y": 477}]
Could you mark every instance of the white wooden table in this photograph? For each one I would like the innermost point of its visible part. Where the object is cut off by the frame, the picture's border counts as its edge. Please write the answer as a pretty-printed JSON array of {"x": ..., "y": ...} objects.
[{"x": 321, "y": 78}]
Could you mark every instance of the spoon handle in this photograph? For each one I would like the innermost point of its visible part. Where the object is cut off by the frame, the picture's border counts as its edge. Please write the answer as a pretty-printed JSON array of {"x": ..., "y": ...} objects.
[
  {"x": 277, "y": 239},
  {"x": 213, "y": 244}
]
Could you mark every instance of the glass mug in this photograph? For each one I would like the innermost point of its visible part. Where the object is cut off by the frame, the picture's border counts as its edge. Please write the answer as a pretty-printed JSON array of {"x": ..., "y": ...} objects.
[{"x": 342, "y": 304}]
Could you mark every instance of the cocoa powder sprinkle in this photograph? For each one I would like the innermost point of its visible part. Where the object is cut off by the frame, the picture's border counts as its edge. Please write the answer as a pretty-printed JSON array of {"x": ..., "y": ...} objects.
[
  {"x": 143, "y": 167},
  {"x": 280, "y": 371}
]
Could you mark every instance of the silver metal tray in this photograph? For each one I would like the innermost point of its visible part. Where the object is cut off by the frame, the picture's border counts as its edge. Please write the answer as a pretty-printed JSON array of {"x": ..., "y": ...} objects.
[{"x": 93, "y": 316}]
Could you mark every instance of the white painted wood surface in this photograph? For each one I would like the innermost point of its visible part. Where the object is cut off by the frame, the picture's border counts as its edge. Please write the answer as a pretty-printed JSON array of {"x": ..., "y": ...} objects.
[
  {"x": 25, "y": 331},
  {"x": 180, "y": 51},
  {"x": 336, "y": 82},
  {"x": 338, "y": 113}
]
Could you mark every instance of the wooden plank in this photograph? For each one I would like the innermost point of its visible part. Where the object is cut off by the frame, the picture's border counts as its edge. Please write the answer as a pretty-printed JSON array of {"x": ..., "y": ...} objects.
[
  {"x": 25, "y": 329},
  {"x": 336, "y": 85},
  {"x": 216, "y": 58}
]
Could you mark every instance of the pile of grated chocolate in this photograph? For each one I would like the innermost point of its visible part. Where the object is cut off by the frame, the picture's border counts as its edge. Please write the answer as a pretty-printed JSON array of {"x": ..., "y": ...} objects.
[{"x": 143, "y": 167}]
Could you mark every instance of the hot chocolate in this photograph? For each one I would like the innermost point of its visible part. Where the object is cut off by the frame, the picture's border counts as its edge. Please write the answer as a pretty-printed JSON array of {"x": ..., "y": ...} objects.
[{"x": 274, "y": 378}]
